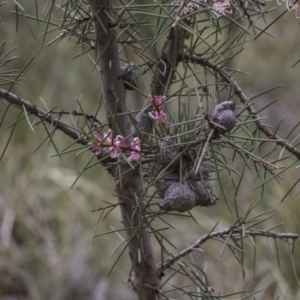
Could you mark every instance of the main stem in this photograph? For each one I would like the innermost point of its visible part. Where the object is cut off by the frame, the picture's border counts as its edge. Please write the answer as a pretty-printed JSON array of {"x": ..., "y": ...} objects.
[{"x": 144, "y": 276}]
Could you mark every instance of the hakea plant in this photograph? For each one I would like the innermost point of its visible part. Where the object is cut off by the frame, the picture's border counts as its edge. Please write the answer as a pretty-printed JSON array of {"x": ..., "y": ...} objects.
[{"x": 203, "y": 154}]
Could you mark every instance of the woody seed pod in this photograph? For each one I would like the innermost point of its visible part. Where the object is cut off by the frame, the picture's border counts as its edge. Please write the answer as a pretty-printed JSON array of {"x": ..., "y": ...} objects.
[
  {"x": 169, "y": 153},
  {"x": 162, "y": 185},
  {"x": 223, "y": 115},
  {"x": 179, "y": 197},
  {"x": 203, "y": 191}
]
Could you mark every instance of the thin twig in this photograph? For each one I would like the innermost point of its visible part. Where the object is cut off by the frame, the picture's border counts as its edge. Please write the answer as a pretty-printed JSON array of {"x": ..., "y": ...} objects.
[
  {"x": 43, "y": 115},
  {"x": 203, "y": 151},
  {"x": 239, "y": 92},
  {"x": 224, "y": 233}
]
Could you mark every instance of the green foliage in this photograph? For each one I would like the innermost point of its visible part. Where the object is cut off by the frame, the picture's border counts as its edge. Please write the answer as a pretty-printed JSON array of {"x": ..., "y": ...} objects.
[{"x": 232, "y": 249}]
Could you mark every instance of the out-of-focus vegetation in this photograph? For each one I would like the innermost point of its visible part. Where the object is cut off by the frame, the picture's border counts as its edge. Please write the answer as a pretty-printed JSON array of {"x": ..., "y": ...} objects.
[{"x": 46, "y": 227}]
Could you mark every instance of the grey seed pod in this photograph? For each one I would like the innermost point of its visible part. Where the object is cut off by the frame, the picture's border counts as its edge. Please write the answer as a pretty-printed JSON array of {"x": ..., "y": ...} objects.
[
  {"x": 204, "y": 193},
  {"x": 179, "y": 197},
  {"x": 130, "y": 76},
  {"x": 169, "y": 153},
  {"x": 202, "y": 174},
  {"x": 162, "y": 185},
  {"x": 223, "y": 115}
]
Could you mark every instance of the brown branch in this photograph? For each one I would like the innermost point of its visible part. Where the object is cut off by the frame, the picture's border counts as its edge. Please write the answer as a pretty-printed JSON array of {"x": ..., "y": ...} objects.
[
  {"x": 165, "y": 69},
  {"x": 43, "y": 115},
  {"x": 233, "y": 232},
  {"x": 92, "y": 119},
  {"x": 239, "y": 92},
  {"x": 112, "y": 84},
  {"x": 49, "y": 118}
]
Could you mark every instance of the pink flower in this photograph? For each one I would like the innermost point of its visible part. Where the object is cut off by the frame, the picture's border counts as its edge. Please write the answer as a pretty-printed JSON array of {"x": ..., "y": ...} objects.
[
  {"x": 108, "y": 137},
  {"x": 189, "y": 7},
  {"x": 220, "y": 8},
  {"x": 97, "y": 138},
  {"x": 136, "y": 144},
  {"x": 119, "y": 141},
  {"x": 158, "y": 116},
  {"x": 134, "y": 156},
  {"x": 159, "y": 101},
  {"x": 292, "y": 4},
  {"x": 296, "y": 8},
  {"x": 96, "y": 149},
  {"x": 136, "y": 147},
  {"x": 118, "y": 145},
  {"x": 97, "y": 146},
  {"x": 114, "y": 152}
]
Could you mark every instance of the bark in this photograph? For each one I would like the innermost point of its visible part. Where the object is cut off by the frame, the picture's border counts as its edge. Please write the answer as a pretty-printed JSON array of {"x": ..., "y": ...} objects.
[{"x": 144, "y": 276}]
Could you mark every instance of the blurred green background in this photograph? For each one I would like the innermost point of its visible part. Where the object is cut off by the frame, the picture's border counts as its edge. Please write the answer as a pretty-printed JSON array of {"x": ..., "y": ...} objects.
[{"x": 46, "y": 227}]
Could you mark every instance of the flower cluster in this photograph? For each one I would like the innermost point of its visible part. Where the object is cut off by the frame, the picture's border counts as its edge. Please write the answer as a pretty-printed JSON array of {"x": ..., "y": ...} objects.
[
  {"x": 136, "y": 150},
  {"x": 296, "y": 8},
  {"x": 219, "y": 7},
  {"x": 191, "y": 6},
  {"x": 116, "y": 145},
  {"x": 158, "y": 104},
  {"x": 292, "y": 5}
]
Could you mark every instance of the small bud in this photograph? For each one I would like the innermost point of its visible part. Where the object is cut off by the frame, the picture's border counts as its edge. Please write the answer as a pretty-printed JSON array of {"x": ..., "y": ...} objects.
[
  {"x": 179, "y": 197},
  {"x": 130, "y": 76},
  {"x": 222, "y": 117},
  {"x": 158, "y": 116}
]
